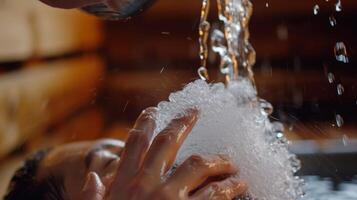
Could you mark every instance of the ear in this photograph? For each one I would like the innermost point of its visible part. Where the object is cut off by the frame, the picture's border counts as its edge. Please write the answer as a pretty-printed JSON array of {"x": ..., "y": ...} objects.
[{"x": 93, "y": 188}]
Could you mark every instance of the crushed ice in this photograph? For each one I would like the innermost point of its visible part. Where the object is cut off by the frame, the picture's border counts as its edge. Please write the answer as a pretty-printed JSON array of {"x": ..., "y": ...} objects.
[{"x": 232, "y": 122}]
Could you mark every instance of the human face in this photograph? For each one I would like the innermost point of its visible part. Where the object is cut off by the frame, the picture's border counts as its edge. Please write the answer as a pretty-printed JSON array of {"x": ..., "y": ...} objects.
[{"x": 72, "y": 162}]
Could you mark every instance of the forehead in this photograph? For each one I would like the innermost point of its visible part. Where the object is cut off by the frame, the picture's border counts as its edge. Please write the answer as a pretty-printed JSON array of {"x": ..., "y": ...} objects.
[
  {"x": 77, "y": 151},
  {"x": 67, "y": 151},
  {"x": 60, "y": 157}
]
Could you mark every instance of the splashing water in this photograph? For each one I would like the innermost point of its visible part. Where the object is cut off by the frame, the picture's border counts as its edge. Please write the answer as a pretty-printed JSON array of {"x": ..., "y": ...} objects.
[
  {"x": 203, "y": 38},
  {"x": 340, "y": 89},
  {"x": 232, "y": 43},
  {"x": 331, "y": 77},
  {"x": 233, "y": 120},
  {"x": 240, "y": 55},
  {"x": 345, "y": 140},
  {"x": 341, "y": 52},
  {"x": 333, "y": 21},
  {"x": 203, "y": 73},
  {"x": 338, "y": 6},
  {"x": 316, "y": 9},
  {"x": 339, "y": 120}
]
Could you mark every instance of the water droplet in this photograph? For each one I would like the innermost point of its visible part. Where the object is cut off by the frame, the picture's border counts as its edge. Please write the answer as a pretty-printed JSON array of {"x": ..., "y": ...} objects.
[
  {"x": 331, "y": 77},
  {"x": 339, "y": 121},
  {"x": 205, "y": 26},
  {"x": 266, "y": 107},
  {"x": 291, "y": 128},
  {"x": 281, "y": 140},
  {"x": 267, "y": 4},
  {"x": 295, "y": 163},
  {"x": 333, "y": 21},
  {"x": 279, "y": 135},
  {"x": 341, "y": 52},
  {"x": 226, "y": 65},
  {"x": 282, "y": 32},
  {"x": 278, "y": 127},
  {"x": 340, "y": 89},
  {"x": 218, "y": 42},
  {"x": 338, "y": 6},
  {"x": 203, "y": 73},
  {"x": 345, "y": 140},
  {"x": 316, "y": 9}
]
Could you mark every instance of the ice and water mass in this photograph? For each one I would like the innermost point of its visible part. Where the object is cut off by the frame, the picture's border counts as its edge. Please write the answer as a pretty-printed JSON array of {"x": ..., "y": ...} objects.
[{"x": 233, "y": 119}]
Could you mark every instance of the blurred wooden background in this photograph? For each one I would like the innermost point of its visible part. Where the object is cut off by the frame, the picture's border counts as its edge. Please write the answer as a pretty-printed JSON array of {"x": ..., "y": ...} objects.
[
  {"x": 153, "y": 54},
  {"x": 67, "y": 76}
]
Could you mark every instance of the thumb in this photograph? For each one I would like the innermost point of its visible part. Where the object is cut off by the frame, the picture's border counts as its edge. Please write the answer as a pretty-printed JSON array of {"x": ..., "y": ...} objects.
[{"x": 93, "y": 188}]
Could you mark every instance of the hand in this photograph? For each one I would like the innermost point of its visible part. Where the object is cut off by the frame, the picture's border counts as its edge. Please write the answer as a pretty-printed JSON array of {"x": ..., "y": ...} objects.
[{"x": 140, "y": 172}]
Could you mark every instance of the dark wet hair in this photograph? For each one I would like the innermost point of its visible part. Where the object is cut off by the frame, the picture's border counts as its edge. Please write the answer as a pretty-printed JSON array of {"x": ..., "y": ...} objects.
[{"x": 25, "y": 186}]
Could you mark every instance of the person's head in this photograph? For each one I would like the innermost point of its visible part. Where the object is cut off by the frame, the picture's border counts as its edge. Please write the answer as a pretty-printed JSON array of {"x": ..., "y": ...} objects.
[{"x": 60, "y": 173}]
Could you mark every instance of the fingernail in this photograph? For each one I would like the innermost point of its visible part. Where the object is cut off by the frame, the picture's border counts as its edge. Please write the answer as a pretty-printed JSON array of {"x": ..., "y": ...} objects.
[
  {"x": 146, "y": 120},
  {"x": 148, "y": 113},
  {"x": 150, "y": 110},
  {"x": 189, "y": 115}
]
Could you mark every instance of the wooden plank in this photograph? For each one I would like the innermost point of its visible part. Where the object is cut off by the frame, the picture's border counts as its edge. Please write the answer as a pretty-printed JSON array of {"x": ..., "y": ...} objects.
[
  {"x": 32, "y": 29},
  {"x": 32, "y": 99},
  {"x": 59, "y": 31},
  {"x": 15, "y": 35}
]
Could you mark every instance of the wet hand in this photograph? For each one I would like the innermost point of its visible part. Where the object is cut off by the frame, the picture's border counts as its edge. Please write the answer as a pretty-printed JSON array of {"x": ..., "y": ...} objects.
[{"x": 143, "y": 166}]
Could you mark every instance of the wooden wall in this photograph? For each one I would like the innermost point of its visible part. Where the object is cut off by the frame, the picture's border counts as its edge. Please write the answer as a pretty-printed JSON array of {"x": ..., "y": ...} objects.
[
  {"x": 157, "y": 52},
  {"x": 48, "y": 70}
]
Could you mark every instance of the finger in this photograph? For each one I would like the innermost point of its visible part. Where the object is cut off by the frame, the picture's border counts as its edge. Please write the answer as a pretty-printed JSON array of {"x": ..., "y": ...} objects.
[
  {"x": 165, "y": 146},
  {"x": 197, "y": 169},
  {"x": 224, "y": 190},
  {"x": 70, "y": 3},
  {"x": 136, "y": 146},
  {"x": 93, "y": 188}
]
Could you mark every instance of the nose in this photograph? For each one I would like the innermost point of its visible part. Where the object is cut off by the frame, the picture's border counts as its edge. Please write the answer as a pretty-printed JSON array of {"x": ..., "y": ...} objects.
[{"x": 122, "y": 9}]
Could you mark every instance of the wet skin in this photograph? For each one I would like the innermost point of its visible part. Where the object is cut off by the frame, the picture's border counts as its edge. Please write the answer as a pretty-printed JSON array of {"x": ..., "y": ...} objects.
[{"x": 106, "y": 170}]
